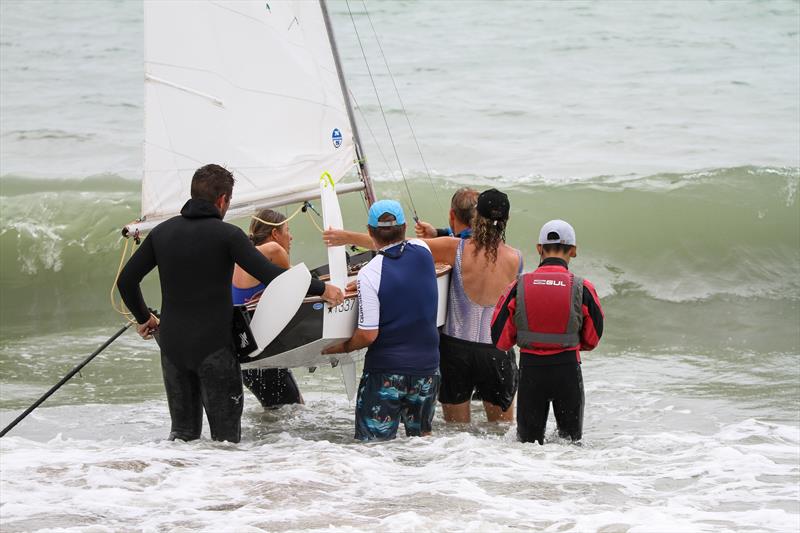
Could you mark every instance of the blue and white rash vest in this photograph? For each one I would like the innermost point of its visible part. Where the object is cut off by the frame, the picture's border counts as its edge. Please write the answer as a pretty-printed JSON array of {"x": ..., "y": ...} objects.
[{"x": 397, "y": 295}]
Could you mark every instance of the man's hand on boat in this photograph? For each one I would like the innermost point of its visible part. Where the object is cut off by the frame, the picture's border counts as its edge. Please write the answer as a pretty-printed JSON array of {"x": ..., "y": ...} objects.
[
  {"x": 333, "y": 294},
  {"x": 424, "y": 230},
  {"x": 361, "y": 338},
  {"x": 147, "y": 329}
]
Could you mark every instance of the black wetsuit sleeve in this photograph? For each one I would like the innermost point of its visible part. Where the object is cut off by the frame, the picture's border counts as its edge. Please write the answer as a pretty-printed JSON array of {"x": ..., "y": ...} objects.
[
  {"x": 594, "y": 311},
  {"x": 499, "y": 323},
  {"x": 138, "y": 266},
  {"x": 250, "y": 259},
  {"x": 316, "y": 287}
]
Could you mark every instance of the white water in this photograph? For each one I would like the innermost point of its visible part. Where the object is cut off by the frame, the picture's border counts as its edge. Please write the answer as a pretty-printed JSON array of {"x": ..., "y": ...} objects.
[
  {"x": 459, "y": 482},
  {"x": 663, "y": 452}
]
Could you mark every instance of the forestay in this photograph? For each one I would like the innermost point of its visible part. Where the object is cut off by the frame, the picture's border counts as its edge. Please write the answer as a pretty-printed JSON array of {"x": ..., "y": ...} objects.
[{"x": 252, "y": 85}]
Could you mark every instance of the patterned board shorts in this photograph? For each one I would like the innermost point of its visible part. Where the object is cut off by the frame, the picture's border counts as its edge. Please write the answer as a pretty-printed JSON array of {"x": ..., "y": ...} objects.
[{"x": 386, "y": 399}]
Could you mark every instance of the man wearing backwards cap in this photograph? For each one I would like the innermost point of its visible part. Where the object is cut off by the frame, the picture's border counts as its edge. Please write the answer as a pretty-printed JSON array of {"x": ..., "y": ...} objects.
[
  {"x": 397, "y": 300},
  {"x": 551, "y": 315}
]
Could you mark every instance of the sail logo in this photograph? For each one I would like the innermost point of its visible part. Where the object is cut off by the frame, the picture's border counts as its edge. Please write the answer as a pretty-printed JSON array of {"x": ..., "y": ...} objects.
[
  {"x": 243, "y": 342},
  {"x": 549, "y": 282},
  {"x": 336, "y": 137}
]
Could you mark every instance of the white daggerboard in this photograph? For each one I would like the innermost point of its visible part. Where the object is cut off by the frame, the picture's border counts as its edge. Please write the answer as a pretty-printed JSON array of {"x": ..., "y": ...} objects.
[
  {"x": 332, "y": 218},
  {"x": 337, "y": 324},
  {"x": 278, "y": 304},
  {"x": 349, "y": 378}
]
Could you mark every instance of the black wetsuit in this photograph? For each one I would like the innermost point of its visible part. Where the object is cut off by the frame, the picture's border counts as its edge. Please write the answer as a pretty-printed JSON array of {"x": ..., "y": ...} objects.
[
  {"x": 195, "y": 254},
  {"x": 549, "y": 373}
]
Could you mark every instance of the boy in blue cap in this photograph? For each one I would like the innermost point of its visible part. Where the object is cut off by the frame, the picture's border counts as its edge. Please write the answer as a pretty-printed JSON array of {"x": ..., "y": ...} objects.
[{"x": 397, "y": 298}]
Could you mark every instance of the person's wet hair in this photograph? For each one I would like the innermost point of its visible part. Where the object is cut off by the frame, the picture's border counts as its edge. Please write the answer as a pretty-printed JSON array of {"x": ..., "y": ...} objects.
[
  {"x": 463, "y": 204},
  {"x": 489, "y": 223},
  {"x": 211, "y": 181},
  {"x": 384, "y": 235},
  {"x": 259, "y": 231}
]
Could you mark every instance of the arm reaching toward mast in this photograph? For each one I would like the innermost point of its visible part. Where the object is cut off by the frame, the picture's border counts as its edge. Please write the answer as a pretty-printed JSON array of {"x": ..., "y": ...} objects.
[
  {"x": 340, "y": 237},
  {"x": 425, "y": 230},
  {"x": 443, "y": 249}
]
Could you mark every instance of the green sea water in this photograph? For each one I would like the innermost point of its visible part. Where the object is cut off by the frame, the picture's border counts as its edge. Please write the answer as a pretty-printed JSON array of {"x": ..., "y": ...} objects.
[{"x": 705, "y": 260}]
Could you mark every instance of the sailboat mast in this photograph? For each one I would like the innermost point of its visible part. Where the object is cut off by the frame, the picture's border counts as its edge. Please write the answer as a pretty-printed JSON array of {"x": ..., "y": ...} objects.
[{"x": 369, "y": 192}]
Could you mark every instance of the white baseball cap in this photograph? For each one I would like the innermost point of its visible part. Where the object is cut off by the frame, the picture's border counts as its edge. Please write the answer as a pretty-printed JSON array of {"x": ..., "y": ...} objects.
[{"x": 557, "y": 232}]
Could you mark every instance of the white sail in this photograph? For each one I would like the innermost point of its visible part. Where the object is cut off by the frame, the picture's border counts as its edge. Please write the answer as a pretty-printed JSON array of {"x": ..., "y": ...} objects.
[{"x": 251, "y": 85}]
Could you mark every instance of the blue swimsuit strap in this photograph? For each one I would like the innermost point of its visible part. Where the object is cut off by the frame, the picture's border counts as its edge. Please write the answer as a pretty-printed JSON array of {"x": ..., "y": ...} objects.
[{"x": 241, "y": 296}]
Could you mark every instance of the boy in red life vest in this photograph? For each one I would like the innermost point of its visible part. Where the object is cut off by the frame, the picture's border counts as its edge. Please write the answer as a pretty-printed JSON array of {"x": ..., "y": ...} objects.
[{"x": 551, "y": 314}]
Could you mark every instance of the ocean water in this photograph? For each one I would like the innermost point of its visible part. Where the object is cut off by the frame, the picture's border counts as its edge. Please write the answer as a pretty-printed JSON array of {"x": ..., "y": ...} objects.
[{"x": 668, "y": 133}]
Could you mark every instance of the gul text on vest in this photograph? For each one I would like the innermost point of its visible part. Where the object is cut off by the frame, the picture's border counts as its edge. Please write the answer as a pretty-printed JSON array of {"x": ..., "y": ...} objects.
[{"x": 554, "y": 283}]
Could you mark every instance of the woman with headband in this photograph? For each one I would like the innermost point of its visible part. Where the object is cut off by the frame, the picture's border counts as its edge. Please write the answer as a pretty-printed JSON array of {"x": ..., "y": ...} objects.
[{"x": 270, "y": 234}]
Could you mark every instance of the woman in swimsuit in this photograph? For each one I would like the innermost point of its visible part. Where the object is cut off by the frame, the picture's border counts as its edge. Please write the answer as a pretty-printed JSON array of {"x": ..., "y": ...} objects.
[
  {"x": 270, "y": 234},
  {"x": 483, "y": 267}
]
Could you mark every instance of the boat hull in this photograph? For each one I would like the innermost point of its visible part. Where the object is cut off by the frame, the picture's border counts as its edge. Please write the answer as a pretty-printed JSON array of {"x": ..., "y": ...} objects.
[{"x": 301, "y": 342}]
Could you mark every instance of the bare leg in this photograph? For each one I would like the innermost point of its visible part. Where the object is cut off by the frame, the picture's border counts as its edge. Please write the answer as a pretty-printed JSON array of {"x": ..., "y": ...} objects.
[
  {"x": 456, "y": 412},
  {"x": 495, "y": 414}
]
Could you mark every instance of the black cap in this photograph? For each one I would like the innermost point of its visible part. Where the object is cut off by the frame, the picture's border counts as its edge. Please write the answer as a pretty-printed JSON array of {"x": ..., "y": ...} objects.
[{"x": 493, "y": 204}]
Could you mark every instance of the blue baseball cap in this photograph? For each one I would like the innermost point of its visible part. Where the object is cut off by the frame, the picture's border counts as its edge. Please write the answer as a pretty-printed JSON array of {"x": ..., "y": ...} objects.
[{"x": 383, "y": 207}]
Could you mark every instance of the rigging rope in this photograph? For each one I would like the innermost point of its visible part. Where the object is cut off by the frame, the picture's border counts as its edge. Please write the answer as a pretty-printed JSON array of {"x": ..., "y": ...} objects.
[
  {"x": 402, "y": 106},
  {"x": 314, "y": 222},
  {"x": 374, "y": 139},
  {"x": 383, "y": 113},
  {"x": 371, "y": 133},
  {"x": 302, "y": 208},
  {"x": 287, "y": 219},
  {"x": 120, "y": 308}
]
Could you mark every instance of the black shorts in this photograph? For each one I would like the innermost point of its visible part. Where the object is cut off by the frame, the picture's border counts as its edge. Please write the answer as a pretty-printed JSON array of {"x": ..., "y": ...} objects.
[
  {"x": 473, "y": 366},
  {"x": 272, "y": 387}
]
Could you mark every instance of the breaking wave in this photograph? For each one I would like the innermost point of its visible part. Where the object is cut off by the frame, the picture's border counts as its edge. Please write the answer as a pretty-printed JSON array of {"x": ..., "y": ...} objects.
[{"x": 712, "y": 238}]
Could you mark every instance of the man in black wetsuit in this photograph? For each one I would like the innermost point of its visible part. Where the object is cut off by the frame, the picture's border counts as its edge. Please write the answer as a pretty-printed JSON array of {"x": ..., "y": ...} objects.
[{"x": 195, "y": 254}]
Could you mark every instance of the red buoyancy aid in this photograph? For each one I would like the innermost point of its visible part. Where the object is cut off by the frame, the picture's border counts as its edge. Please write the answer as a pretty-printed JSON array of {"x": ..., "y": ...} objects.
[{"x": 548, "y": 311}]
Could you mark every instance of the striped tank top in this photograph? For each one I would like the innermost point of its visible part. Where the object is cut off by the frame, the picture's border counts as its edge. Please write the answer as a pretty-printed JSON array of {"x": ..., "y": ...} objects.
[{"x": 467, "y": 320}]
